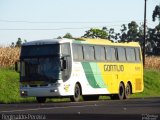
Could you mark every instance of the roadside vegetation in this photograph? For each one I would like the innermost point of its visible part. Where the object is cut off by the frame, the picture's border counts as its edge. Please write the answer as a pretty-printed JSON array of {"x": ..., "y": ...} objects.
[
  {"x": 9, "y": 87},
  {"x": 151, "y": 84}
]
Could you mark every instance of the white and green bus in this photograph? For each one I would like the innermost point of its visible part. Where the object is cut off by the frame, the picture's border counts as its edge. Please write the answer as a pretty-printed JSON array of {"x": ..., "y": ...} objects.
[{"x": 80, "y": 67}]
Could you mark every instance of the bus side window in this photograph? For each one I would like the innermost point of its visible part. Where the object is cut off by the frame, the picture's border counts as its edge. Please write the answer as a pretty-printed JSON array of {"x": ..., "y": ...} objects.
[
  {"x": 88, "y": 52},
  {"x": 91, "y": 53},
  {"x": 75, "y": 52},
  {"x": 130, "y": 54},
  {"x": 138, "y": 58},
  {"x": 65, "y": 49},
  {"x": 111, "y": 53},
  {"x": 80, "y": 52},
  {"x": 66, "y": 58},
  {"x": 108, "y": 54},
  {"x": 121, "y": 54},
  {"x": 99, "y": 53}
]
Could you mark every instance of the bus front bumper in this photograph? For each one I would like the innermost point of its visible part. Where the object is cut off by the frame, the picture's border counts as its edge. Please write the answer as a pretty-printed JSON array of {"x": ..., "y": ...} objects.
[{"x": 40, "y": 92}]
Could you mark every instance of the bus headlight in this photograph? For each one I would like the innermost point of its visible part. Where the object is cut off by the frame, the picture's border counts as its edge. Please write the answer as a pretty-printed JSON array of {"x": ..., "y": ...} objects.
[
  {"x": 23, "y": 93},
  {"x": 53, "y": 90}
]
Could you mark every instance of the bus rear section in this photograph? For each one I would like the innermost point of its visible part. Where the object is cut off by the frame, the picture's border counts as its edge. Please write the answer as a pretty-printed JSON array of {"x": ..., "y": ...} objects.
[{"x": 106, "y": 68}]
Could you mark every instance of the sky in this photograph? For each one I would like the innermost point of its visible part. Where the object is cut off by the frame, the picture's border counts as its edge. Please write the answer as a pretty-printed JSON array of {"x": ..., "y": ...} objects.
[{"x": 47, "y": 19}]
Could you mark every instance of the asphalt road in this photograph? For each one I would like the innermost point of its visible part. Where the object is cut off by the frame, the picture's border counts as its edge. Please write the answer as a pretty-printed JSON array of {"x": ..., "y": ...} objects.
[{"x": 131, "y": 109}]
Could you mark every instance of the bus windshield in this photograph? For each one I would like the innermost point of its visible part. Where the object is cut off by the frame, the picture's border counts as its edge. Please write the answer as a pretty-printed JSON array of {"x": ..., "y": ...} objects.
[
  {"x": 40, "y": 63},
  {"x": 40, "y": 69}
]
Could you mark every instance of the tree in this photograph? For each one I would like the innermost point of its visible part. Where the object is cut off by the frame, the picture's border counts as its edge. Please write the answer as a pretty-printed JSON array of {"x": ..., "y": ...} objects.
[
  {"x": 155, "y": 33},
  {"x": 150, "y": 40},
  {"x": 156, "y": 13},
  {"x": 96, "y": 33},
  {"x": 18, "y": 43},
  {"x": 68, "y": 35},
  {"x": 25, "y": 41},
  {"x": 117, "y": 36},
  {"x": 154, "y": 39},
  {"x": 132, "y": 31},
  {"x": 59, "y": 37},
  {"x": 12, "y": 45},
  {"x": 123, "y": 36},
  {"x": 111, "y": 35},
  {"x": 140, "y": 35}
]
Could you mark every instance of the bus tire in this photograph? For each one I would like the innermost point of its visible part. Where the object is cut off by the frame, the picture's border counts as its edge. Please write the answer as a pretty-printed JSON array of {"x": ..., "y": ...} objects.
[
  {"x": 41, "y": 99},
  {"x": 127, "y": 91},
  {"x": 121, "y": 91},
  {"x": 90, "y": 97},
  {"x": 77, "y": 93}
]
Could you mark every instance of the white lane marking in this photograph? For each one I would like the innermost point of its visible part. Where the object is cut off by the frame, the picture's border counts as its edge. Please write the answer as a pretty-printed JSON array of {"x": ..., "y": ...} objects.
[{"x": 36, "y": 109}]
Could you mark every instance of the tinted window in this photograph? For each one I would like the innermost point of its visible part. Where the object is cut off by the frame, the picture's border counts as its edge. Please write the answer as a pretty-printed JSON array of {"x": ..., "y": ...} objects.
[
  {"x": 100, "y": 53},
  {"x": 111, "y": 54},
  {"x": 80, "y": 52},
  {"x": 121, "y": 54},
  {"x": 88, "y": 52},
  {"x": 39, "y": 50},
  {"x": 130, "y": 54},
  {"x": 137, "y": 50},
  {"x": 75, "y": 52},
  {"x": 65, "y": 49},
  {"x": 91, "y": 52}
]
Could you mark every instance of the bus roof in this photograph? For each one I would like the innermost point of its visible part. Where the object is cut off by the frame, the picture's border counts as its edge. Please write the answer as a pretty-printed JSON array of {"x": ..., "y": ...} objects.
[
  {"x": 104, "y": 42},
  {"x": 46, "y": 41},
  {"x": 80, "y": 41}
]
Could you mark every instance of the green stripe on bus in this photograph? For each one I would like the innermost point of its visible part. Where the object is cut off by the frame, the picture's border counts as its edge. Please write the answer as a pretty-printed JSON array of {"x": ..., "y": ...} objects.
[
  {"x": 76, "y": 41},
  {"x": 90, "y": 74},
  {"x": 97, "y": 75}
]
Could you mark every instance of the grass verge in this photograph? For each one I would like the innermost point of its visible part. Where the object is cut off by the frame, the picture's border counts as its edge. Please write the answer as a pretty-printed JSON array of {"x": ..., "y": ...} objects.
[
  {"x": 151, "y": 84},
  {"x": 9, "y": 87}
]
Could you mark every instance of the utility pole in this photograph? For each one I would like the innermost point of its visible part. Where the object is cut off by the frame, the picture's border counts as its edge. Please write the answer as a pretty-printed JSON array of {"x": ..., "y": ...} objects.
[{"x": 144, "y": 41}]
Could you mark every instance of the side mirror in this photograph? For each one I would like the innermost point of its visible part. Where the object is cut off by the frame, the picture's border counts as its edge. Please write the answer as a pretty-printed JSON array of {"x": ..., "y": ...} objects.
[
  {"x": 63, "y": 64},
  {"x": 17, "y": 66}
]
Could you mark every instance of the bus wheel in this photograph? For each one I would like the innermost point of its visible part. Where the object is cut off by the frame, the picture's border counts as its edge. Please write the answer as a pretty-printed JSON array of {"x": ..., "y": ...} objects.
[
  {"x": 77, "y": 94},
  {"x": 90, "y": 97},
  {"x": 41, "y": 99},
  {"x": 121, "y": 92},
  {"x": 127, "y": 91}
]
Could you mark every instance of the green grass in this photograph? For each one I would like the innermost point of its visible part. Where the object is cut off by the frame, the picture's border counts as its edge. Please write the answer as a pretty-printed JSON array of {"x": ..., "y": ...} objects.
[
  {"x": 9, "y": 87},
  {"x": 151, "y": 84}
]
